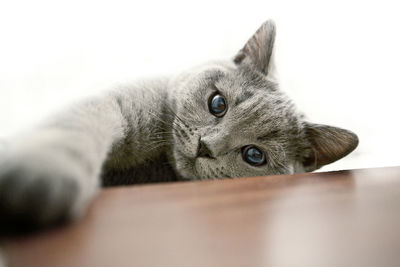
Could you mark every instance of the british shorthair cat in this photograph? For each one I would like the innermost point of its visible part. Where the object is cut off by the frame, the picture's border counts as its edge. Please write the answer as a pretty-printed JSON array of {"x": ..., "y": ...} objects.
[{"x": 220, "y": 120}]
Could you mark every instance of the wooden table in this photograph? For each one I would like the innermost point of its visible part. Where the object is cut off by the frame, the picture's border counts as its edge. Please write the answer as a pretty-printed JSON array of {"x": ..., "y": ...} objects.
[{"x": 346, "y": 218}]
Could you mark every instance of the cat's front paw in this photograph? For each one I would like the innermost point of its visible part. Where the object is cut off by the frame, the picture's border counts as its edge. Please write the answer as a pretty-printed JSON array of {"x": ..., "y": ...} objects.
[{"x": 37, "y": 192}]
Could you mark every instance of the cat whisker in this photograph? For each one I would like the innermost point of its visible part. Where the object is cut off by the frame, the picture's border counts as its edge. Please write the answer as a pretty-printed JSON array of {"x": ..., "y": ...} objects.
[
  {"x": 162, "y": 121},
  {"x": 175, "y": 115}
]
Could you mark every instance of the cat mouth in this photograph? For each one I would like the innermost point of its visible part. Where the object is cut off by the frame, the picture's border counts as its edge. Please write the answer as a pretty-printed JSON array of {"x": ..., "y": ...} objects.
[{"x": 185, "y": 165}]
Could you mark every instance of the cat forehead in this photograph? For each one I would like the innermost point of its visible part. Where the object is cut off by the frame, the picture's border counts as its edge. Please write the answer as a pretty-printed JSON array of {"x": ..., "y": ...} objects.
[
  {"x": 240, "y": 82},
  {"x": 255, "y": 102},
  {"x": 244, "y": 86},
  {"x": 252, "y": 98}
]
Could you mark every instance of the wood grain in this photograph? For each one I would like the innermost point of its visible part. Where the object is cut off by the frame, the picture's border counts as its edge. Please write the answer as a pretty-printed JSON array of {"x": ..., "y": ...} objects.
[{"x": 346, "y": 218}]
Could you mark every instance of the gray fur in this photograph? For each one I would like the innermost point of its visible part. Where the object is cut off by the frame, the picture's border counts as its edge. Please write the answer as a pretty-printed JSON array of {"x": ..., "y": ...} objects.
[{"x": 150, "y": 131}]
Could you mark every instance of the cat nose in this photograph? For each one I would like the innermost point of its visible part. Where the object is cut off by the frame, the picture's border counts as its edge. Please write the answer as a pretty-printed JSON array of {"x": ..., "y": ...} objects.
[{"x": 203, "y": 150}]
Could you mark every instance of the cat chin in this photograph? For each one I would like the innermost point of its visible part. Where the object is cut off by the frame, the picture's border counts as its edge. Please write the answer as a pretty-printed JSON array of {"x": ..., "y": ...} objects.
[
  {"x": 186, "y": 173},
  {"x": 190, "y": 168},
  {"x": 185, "y": 166},
  {"x": 202, "y": 167}
]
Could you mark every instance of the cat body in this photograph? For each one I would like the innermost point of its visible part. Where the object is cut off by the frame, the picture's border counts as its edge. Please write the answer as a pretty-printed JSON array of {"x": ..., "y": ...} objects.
[{"x": 221, "y": 120}]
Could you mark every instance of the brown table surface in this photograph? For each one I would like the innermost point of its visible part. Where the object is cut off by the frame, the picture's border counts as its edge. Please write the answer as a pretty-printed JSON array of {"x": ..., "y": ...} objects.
[{"x": 345, "y": 218}]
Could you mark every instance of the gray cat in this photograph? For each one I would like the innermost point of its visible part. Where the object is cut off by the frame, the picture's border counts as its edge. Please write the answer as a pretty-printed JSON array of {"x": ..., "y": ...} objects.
[{"x": 224, "y": 119}]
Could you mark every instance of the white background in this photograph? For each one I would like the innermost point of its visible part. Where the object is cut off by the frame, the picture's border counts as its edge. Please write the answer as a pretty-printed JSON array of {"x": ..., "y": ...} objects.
[{"x": 339, "y": 60}]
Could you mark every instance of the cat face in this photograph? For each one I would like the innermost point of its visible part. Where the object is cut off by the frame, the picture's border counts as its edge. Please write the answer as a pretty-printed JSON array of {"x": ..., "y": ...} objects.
[{"x": 231, "y": 120}]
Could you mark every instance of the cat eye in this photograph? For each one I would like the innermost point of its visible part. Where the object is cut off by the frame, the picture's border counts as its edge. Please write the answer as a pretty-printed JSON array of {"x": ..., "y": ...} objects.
[
  {"x": 253, "y": 155},
  {"x": 217, "y": 105}
]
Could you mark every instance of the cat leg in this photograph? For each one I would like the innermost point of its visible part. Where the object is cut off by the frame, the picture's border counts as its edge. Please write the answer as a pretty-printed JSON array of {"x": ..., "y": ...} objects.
[{"x": 51, "y": 174}]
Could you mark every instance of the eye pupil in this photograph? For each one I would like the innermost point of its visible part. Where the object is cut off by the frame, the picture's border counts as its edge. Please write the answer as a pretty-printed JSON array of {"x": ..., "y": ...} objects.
[
  {"x": 217, "y": 105},
  {"x": 253, "y": 156}
]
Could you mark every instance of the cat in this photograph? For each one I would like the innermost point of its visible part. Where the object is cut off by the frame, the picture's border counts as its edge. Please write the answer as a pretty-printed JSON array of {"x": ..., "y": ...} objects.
[{"x": 224, "y": 119}]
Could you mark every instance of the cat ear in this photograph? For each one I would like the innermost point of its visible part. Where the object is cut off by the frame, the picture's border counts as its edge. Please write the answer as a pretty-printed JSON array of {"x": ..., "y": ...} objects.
[
  {"x": 328, "y": 144},
  {"x": 258, "y": 49}
]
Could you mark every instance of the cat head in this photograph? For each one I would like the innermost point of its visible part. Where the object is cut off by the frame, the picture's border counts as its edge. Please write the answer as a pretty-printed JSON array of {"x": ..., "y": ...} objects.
[{"x": 232, "y": 120}]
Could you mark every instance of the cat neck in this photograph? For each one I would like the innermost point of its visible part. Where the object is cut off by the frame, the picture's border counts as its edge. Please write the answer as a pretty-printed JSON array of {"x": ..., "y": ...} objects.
[{"x": 148, "y": 119}]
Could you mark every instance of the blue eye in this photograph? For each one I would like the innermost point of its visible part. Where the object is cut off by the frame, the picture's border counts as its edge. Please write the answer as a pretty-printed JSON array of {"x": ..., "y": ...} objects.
[
  {"x": 217, "y": 105},
  {"x": 253, "y": 155}
]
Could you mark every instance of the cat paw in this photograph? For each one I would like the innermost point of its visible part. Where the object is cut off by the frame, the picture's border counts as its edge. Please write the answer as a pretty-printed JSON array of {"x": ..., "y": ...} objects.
[{"x": 37, "y": 193}]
